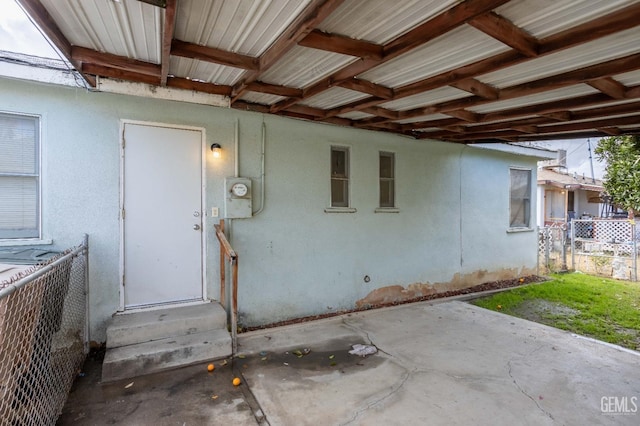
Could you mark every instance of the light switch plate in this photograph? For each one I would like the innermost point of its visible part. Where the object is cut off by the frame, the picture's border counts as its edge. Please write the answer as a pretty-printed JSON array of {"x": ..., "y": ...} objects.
[{"x": 214, "y": 212}]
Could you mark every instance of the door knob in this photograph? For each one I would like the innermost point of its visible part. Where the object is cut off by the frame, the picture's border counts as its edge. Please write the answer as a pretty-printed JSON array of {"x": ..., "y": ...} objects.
[{"x": 196, "y": 227}]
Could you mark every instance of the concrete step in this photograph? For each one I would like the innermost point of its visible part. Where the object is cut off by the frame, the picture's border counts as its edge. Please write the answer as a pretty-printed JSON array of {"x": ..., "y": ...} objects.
[
  {"x": 146, "y": 326},
  {"x": 150, "y": 357}
]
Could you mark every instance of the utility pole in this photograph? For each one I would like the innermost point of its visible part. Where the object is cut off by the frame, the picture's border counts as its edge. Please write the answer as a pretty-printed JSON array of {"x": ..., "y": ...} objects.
[{"x": 593, "y": 177}]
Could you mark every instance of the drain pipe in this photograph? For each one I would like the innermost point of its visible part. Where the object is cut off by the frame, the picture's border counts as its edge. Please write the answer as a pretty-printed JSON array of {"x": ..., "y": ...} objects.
[
  {"x": 262, "y": 199},
  {"x": 236, "y": 149}
]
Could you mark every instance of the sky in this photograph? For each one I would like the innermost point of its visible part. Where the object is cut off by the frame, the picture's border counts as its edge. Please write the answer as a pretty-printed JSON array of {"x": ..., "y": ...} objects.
[{"x": 18, "y": 34}]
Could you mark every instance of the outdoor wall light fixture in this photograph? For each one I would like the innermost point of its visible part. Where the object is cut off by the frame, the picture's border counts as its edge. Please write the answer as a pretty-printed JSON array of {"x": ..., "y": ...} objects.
[{"x": 217, "y": 150}]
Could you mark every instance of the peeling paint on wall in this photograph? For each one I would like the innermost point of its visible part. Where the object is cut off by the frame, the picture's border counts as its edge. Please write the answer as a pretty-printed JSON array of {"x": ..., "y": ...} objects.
[{"x": 397, "y": 293}]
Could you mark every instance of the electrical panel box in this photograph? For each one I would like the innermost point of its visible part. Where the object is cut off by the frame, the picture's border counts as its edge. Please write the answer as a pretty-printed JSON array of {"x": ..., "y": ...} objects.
[{"x": 238, "y": 197}]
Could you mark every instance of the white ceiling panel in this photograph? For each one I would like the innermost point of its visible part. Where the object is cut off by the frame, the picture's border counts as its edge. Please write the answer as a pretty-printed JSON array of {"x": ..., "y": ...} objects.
[
  {"x": 436, "y": 57},
  {"x": 247, "y": 27}
]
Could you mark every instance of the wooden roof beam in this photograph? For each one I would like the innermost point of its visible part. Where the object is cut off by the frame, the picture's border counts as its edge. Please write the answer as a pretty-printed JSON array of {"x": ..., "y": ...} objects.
[
  {"x": 272, "y": 89},
  {"x": 611, "y": 131},
  {"x": 84, "y": 55},
  {"x": 167, "y": 36},
  {"x": 211, "y": 54},
  {"x": 610, "y": 87},
  {"x": 558, "y": 116},
  {"x": 186, "y": 84},
  {"x": 506, "y": 32},
  {"x": 469, "y": 116},
  {"x": 119, "y": 73},
  {"x": 336, "y": 43},
  {"x": 477, "y": 88},
  {"x": 368, "y": 87},
  {"x": 441, "y": 123},
  {"x": 382, "y": 112}
]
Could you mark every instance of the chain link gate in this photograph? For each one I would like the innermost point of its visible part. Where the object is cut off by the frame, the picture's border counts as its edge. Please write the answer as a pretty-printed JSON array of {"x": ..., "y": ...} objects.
[
  {"x": 43, "y": 338},
  {"x": 552, "y": 248},
  {"x": 605, "y": 247}
]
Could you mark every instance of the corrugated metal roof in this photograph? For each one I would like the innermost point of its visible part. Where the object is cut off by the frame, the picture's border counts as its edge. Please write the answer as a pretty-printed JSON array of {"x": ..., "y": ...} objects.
[
  {"x": 204, "y": 71},
  {"x": 333, "y": 98},
  {"x": 261, "y": 98},
  {"x": 377, "y": 21},
  {"x": 436, "y": 57},
  {"x": 538, "y": 98},
  {"x": 607, "y": 48},
  {"x": 128, "y": 28},
  {"x": 542, "y": 18},
  {"x": 356, "y": 115},
  {"x": 457, "y": 40},
  {"x": 248, "y": 27},
  {"x": 427, "y": 98},
  {"x": 629, "y": 78},
  {"x": 423, "y": 118},
  {"x": 301, "y": 67}
]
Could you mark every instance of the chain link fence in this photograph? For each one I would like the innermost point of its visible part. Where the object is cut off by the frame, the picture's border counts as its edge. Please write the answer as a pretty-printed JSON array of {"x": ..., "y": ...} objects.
[
  {"x": 43, "y": 337},
  {"x": 602, "y": 247}
]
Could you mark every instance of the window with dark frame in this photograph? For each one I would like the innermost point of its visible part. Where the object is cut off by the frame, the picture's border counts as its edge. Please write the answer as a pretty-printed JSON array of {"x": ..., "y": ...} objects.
[
  {"x": 387, "y": 179},
  {"x": 19, "y": 176},
  {"x": 520, "y": 198},
  {"x": 339, "y": 176}
]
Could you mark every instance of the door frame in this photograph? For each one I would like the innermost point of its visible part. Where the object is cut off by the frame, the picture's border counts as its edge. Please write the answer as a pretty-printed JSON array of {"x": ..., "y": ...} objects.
[{"x": 203, "y": 237}]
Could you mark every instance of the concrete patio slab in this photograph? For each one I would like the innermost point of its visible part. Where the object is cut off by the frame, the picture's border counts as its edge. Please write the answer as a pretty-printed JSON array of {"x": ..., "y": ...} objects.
[
  {"x": 445, "y": 363},
  {"x": 442, "y": 364}
]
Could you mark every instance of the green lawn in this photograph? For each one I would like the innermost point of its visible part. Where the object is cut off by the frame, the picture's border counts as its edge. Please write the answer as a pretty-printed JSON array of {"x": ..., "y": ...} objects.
[{"x": 604, "y": 309}]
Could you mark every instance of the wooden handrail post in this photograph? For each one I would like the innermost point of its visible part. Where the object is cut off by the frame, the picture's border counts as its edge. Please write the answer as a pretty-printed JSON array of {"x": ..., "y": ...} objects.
[
  {"x": 232, "y": 307},
  {"x": 223, "y": 300},
  {"x": 234, "y": 315}
]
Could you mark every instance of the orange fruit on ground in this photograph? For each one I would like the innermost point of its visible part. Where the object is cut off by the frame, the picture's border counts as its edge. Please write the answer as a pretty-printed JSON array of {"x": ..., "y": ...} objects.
[
  {"x": 210, "y": 367},
  {"x": 236, "y": 381}
]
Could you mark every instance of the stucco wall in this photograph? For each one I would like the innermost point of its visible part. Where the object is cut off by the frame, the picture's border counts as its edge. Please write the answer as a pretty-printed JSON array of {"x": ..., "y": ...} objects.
[{"x": 295, "y": 259}]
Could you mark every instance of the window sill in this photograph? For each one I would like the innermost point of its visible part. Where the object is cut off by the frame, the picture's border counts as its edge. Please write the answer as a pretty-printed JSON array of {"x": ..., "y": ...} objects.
[
  {"x": 17, "y": 242},
  {"x": 340, "y": 210},
  {"x": 387, "y": 210},
  {"x": 516, "y": 230}
]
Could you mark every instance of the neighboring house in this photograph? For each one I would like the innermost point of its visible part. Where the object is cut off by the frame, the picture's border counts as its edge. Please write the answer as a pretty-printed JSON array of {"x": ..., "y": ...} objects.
[
  {"x": 563, "y": 196},
  {"x": 324, "y": 218}
]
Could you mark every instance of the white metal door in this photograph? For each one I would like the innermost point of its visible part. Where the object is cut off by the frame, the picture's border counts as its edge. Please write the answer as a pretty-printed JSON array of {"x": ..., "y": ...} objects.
[{"x": 162, "y": 215}]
